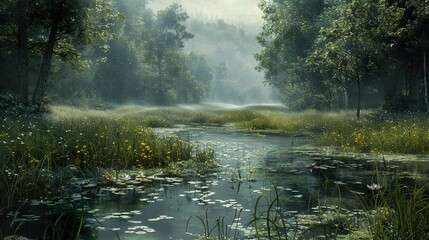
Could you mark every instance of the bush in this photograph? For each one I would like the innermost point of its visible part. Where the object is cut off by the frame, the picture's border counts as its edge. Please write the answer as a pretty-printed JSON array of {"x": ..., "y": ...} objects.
[{"x": 11, "y": 105}]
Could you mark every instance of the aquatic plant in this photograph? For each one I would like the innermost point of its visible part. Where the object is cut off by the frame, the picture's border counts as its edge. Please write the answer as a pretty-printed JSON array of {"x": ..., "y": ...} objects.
[
  {"x": 400, "y": 212},
  {"x": 221, "y": 230}
]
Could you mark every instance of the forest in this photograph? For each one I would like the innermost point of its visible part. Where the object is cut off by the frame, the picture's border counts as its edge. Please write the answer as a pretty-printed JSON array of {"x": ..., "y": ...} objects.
[
  {"x": 98, "y": 53},
  {"x": 298, "y": 119},
  {"x": 316, "y": 54},
  {"x": 347, "y": 54}
]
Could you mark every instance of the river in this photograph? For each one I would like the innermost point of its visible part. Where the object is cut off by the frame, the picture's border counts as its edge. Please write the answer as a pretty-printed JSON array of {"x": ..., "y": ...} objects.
[{"x": 255, "y": 170}]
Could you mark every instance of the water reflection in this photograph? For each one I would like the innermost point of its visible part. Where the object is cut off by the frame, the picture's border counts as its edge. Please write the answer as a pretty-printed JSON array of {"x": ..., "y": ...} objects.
[{"x": 309, "y": 181}]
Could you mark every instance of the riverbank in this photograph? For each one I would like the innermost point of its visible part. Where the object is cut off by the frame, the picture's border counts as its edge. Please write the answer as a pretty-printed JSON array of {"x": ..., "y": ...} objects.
[{"x": 375, "y": 132}]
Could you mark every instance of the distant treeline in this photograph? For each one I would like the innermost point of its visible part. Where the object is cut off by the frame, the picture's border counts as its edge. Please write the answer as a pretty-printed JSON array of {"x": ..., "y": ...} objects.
[
  {"x": 96, "y": 52},
  {"x": 330, "y": 54}
]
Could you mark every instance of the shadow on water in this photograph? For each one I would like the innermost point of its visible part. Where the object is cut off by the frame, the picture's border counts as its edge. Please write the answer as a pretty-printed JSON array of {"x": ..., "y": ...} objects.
[{"x": 161, "y": 207}]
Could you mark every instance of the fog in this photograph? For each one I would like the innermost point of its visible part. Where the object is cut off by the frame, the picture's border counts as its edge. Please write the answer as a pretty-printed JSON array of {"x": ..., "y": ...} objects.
[
  {"x": 156, "y": 53},
  {"x": 225, "y": 31},
  {"x": 243, "y": 13}
]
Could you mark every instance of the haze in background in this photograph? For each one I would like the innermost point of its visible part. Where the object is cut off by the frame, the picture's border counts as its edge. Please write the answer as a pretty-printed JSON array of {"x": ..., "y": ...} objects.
[
  {"x": 225, "y": 31},
  {"x": 242, "y": 13}
]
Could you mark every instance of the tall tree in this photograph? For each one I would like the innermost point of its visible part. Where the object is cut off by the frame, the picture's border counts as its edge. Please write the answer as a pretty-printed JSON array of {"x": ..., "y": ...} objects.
[
  {"x": 201, "y": 70},
  {"x": 68, "y": 24},
  {"x": 290, "y": 28},
  {"x": 350, "y": 50},
  {"x": 164, "y": 35},
  {"x": 419, "y": 40}
]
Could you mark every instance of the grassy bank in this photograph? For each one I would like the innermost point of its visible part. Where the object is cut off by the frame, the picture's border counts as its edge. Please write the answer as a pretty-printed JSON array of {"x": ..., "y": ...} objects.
[
  {"x": 40, "y": 154},
  {"x": 373, "y": 133}
]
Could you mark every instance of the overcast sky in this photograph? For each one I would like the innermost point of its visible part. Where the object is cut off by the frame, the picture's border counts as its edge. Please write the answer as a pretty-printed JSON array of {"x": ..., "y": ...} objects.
[{"x": 242, "y": 12}]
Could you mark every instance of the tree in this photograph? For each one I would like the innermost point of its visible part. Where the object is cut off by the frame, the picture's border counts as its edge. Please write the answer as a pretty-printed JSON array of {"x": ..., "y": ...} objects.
[
  {"x": 35, "y": 32},
  {"x": 163, "y": 36},
  {"x": 419, "y": 38},
  {"x": 290, "y": 28},
  {"x": 350, "y": 50},
  {"x": 201, "y": 70},
  {"x": 22, "y": 24},
  {"x": 68, "y": 24},
  {"x": 220, "y": 76}
]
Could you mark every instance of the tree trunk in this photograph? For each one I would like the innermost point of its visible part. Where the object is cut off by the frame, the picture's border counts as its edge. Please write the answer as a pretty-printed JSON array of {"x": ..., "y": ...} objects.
[
  {"x": 159, "y": 89},
  {"x": 358, "y": 99},
  {"x": 425, "y": 82},
  {"x": 346, "y": 99},
  {"x": 414, "y": 87},
  {"x": 22, "y": 7},
  {"x": 42, "y": 80}
]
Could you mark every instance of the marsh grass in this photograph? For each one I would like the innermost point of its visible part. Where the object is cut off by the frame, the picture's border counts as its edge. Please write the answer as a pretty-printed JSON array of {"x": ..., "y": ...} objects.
[
  {"x": 36, "y": 153},
  {"x": 271, "y": 222},
  {"x": 403, "y": 134},
  {"x": 399, "y": 211},
  {"x": 373, "y": 131},
  {"x": 220, "y": 230},
  {"x": 395, "y": 211},
  {"x": 68, "y": 223}
]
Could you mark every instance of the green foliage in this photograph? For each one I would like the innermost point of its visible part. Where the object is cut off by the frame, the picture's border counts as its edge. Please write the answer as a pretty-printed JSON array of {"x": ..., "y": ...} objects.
[
  {"x": 287, "y": 36},
  {"x": 114, "y": 51},
  {"x": 50, "y": 30},
  {"x": 146, "y": 64},
  {"x": 323, "y": 54},
  {"x": 351, "y": 48}
]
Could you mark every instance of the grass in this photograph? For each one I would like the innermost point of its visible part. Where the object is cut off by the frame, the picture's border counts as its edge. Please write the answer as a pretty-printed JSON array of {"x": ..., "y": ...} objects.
[
  {"x": 376, "y": 133},
  {"x": 36, "y": 153},
  {"x": 398, "y": 209},
  {"x": 403, "y": 134}
]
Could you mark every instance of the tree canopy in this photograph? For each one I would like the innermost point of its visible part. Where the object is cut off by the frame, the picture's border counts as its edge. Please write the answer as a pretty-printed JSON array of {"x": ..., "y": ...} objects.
[{"x": 336, "y": 51}]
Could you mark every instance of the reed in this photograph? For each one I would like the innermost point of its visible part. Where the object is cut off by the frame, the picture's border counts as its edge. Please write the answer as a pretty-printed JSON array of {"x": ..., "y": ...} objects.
[{"x": 400, "y": 212}]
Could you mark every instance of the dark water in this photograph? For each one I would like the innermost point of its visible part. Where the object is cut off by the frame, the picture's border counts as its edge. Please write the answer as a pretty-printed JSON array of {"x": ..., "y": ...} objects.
[{"x": 253, "y": 165}]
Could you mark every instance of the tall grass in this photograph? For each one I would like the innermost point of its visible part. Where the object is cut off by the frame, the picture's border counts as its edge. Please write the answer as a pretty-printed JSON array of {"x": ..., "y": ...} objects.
[
  {"x": 399, "y": 211},
  {"x": 36, "y": 153},
  {"x": 404, "y": 134},
  {"x": 272, "y": 222}
]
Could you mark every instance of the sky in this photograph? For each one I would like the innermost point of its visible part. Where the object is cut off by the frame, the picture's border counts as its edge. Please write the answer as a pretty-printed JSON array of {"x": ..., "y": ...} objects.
[{"x": 238, "y": 12}]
